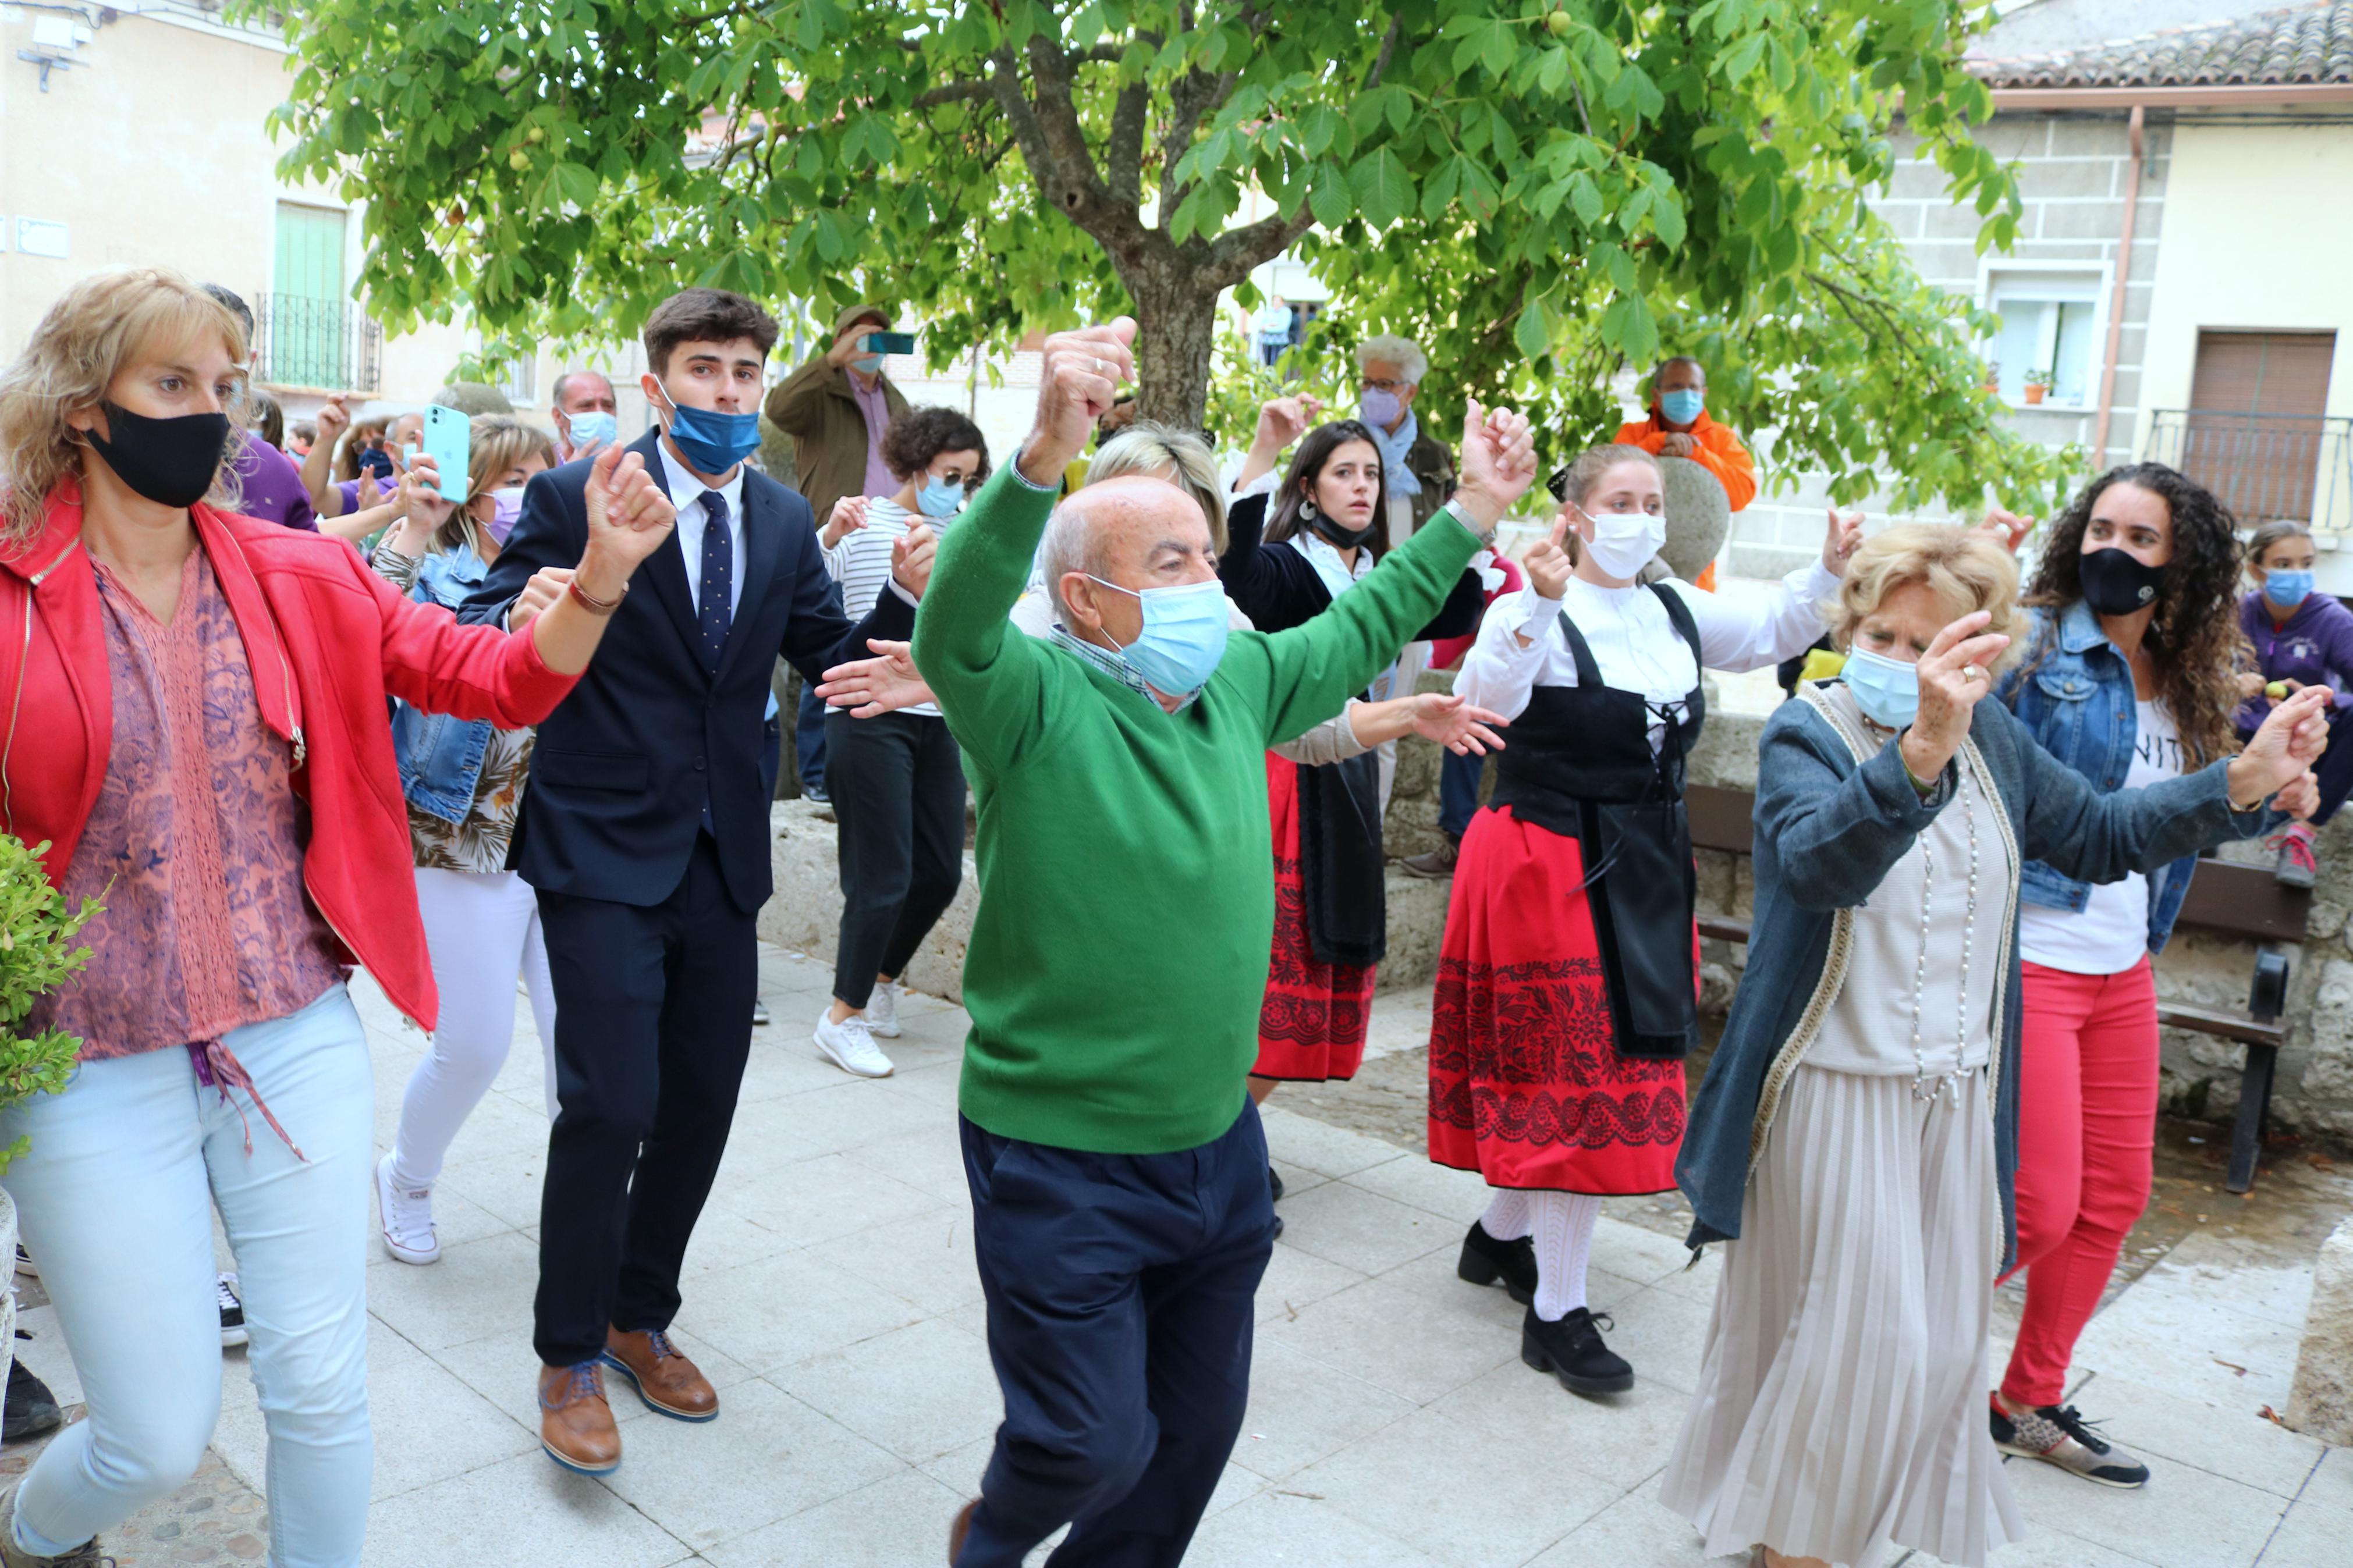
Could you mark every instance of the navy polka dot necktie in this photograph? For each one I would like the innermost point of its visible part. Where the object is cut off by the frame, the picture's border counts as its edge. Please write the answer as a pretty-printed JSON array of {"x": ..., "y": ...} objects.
[{"x": 718, "y": 579}]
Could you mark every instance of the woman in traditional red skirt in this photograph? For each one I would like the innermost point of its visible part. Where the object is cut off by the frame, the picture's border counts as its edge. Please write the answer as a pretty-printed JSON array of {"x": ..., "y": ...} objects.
[
  {"x": 1567, "y": 983},
  {"x": 1293, "y": 546}
]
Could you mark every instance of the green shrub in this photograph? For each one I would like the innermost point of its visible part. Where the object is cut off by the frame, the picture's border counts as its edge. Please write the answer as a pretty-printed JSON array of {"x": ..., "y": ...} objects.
[{"x": 36, "y": 954}]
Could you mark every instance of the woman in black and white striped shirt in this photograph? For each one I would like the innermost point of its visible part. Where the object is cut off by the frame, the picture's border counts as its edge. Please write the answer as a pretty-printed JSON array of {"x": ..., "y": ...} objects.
[{"x": 896, "y": 781}]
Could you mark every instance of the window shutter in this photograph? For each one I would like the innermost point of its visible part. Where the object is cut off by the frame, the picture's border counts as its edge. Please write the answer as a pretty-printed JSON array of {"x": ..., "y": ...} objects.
[{"x": 2253, "y": 433}]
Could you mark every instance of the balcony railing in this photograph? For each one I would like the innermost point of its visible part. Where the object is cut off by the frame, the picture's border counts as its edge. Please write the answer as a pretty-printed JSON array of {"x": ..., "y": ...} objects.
[
  {"x": 2264, "y": 466},
  {"x": 329, "y": 343}
]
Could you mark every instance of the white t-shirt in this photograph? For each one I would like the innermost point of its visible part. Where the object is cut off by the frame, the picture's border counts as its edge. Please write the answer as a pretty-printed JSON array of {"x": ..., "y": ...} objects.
[{"x": 2111, "y": 935}]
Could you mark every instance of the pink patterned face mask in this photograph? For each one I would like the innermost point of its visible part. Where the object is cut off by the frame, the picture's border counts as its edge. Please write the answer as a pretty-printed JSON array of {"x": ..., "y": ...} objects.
[{"x": 506, "y": 509}]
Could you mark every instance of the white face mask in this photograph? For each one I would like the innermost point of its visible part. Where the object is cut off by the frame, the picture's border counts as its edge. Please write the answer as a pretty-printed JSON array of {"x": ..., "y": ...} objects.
[{"x": 1624, "y": 542}]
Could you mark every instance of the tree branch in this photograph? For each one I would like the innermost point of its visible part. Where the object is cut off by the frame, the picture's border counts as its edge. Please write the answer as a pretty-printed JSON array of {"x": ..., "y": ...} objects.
[
  {"x": 1130, "y": 119},
  {"x": 1054, "y": 146},
  {"x": 954, "y": 92}
]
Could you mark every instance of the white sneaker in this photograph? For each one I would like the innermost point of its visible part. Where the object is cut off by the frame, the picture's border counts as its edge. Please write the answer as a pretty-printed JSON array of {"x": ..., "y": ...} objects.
[
  {"x": 408, "y": 1217},
  {"x": 883, "y": 1010},
  {"x": 850, "y": 1045}
]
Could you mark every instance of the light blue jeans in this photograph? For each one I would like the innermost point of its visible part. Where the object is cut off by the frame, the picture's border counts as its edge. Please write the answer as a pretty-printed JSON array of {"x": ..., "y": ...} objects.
[{"x": 114, "y": 1199}]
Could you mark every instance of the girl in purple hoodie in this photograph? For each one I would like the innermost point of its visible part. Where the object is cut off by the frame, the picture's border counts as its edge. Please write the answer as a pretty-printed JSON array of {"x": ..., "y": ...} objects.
[{"x": 2302, "y": 638}]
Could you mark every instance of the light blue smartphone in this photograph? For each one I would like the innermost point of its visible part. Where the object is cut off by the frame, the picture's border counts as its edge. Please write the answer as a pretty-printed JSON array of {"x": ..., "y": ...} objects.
[{"x": 449, "y": 442}]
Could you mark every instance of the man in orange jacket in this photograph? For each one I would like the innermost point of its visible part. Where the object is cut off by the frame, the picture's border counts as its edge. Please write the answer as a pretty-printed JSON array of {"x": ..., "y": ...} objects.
[{"x": 1679, "y": 427}]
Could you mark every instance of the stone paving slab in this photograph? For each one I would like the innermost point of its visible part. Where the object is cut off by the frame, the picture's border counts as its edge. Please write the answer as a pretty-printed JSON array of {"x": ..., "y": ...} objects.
[{"x": 831, "y": 1296}]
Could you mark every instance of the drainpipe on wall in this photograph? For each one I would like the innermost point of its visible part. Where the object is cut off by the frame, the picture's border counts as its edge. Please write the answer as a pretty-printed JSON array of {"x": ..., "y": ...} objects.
[{"x": 2117, "y": 306}]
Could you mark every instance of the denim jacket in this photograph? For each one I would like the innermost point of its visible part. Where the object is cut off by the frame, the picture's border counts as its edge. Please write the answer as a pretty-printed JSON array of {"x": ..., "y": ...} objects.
[
  {"x": 1828, "y": 831},
  {"x": 440, "y": 758},
  {"x": 2078, "y": 705}
]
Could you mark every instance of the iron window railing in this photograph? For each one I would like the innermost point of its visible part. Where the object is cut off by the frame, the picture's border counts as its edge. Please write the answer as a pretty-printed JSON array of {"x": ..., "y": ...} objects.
[
  {"x": 303, "y": 342},
  {"x": 2264, "y": 466}
]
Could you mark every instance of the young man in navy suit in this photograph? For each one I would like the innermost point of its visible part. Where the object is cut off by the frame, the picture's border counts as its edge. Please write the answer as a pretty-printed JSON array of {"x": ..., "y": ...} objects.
[{"x": 645, "y": 833}]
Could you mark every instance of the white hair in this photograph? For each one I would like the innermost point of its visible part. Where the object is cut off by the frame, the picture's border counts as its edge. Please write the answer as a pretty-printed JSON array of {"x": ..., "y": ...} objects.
[
  {"x": 1402, "y": 352},
  {"x": 1065, "y": 548}
]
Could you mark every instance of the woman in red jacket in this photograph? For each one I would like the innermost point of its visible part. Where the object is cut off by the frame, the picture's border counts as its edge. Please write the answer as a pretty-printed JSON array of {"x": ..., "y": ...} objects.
[{"x": 195, "y": 729}]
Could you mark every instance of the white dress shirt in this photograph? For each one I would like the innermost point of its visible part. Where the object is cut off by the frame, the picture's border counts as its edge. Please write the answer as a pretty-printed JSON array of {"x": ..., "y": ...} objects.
[
  {"x": 1635, "y": 646},
  {"x": 686, "y": 493}
]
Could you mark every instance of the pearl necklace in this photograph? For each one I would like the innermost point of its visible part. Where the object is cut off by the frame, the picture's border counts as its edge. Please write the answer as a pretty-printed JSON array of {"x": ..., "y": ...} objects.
[{"x": 1923, "y": 1087}]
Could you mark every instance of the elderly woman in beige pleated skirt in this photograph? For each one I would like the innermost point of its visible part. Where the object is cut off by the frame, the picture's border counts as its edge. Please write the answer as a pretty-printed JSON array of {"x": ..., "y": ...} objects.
[{"x": 1855, "y": 1136}]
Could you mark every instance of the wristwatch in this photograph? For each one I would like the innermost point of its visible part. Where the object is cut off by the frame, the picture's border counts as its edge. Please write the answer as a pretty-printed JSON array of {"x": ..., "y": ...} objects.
[{"x": 1462, "y": 514}]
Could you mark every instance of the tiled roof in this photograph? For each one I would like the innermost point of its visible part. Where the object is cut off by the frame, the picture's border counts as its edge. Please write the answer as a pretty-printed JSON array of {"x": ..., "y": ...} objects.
[{"x": 2293, "y": 45}]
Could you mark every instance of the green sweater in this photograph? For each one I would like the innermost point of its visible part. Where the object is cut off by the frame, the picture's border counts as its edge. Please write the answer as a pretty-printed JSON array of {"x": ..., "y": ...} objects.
[{"x": 1126, "y": 891}]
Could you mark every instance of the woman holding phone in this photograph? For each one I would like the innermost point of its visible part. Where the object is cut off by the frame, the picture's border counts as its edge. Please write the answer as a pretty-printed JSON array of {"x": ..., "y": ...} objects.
[{"x": 463, "y": 782}]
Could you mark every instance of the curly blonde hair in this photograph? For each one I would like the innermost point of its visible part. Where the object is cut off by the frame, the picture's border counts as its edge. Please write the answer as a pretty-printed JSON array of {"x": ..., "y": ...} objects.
[
  {"x": 97, "y": 328},
  {"x": 1965, "y": 569}
]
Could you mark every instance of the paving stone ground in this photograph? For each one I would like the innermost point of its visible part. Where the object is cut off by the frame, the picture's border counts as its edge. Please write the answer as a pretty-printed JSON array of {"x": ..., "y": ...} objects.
[{"x": 830, "y": 1295}]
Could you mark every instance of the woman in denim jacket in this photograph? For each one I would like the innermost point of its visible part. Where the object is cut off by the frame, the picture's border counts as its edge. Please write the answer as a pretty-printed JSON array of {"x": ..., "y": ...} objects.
[
  {"x": 464, "y": 782},
  {"x": 1857, "y": 1134},
  {"x": 2130, "y": 675}
]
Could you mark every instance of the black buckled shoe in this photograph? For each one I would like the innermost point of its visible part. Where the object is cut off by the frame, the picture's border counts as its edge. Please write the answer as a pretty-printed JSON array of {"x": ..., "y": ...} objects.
[
  {"x": 1487, "y": 1261},
  {"x": 1571, "y": 1349}
]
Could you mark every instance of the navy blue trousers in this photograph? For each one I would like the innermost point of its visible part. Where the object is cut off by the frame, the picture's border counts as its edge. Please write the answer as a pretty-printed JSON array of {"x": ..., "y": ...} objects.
[
  {"x": 1120, "y": 1313},
  {"x": 1457, "y": 792}
]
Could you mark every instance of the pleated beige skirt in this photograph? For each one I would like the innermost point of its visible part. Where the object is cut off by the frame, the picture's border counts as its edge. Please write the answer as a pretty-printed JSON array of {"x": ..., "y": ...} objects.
[{"x": 1841, "y": 1406}]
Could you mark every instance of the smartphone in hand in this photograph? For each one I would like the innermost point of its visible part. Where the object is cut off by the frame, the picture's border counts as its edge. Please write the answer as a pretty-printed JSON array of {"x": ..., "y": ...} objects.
[
  {"x": 449, "y": 441},
  {"x": 890, "y": 342}
]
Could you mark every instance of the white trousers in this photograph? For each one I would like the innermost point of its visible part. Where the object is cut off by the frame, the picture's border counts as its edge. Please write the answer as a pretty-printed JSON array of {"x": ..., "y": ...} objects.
[{"x": 482, "y": 927}]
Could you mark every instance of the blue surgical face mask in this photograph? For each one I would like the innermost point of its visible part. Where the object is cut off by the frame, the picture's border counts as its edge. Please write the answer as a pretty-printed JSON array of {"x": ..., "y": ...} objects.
[
  {"x": 939, "y": 499},
  {"x": 1886, "y": 689},
  {"x": 1682, "y": 408},
  {"x": 711, "y": 441},
  {"x": 1183, "y": 635},
  {"x": 594, "y": 427},
  {"x": 867, "y": 364},
  {"x": 2286, "y": 589}
]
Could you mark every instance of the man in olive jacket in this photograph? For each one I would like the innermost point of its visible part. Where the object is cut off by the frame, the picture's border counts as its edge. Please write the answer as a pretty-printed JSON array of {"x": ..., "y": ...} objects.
[{"x": 836, "y": 407}]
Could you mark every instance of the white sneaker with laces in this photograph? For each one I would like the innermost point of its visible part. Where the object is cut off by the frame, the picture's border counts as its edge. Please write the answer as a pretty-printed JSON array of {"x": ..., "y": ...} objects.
[
  {"x": 883, "y": 1010},
  {"x": 850, "y": 1046},
  {"x": 408, "y": 1217}
]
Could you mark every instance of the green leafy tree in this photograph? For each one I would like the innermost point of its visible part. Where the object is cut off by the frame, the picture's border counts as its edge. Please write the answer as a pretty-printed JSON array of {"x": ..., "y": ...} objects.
[
  {"x": 1542, "y": 191},
  {"x": 36, "y": 954}
]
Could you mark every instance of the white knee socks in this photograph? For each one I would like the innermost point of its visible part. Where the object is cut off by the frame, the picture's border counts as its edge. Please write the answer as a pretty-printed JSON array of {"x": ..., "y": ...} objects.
[
  {"x": 1506, "y": 1218},
  {"x": 1562, "y": 1228}
]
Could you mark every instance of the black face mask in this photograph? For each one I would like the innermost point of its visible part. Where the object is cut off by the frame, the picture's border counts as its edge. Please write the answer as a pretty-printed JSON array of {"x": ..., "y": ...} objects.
[
  {"x": 2115, "y": 584},
  {"x": 170, "y": 461},
  {"x": 1342, "y": 538}
]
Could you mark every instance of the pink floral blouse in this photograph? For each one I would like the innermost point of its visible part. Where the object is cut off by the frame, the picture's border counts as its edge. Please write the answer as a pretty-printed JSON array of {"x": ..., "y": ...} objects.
[{"x": 194, "y": 846}]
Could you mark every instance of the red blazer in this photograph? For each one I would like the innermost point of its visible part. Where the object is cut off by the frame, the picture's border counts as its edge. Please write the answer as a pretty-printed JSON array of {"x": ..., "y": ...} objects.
[{"x": 327, "y": 640}]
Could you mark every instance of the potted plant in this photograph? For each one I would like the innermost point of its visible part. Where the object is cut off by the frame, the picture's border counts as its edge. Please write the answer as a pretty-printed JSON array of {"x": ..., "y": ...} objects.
[
  {"x": 2038, "y": 386},
  {"x": 36, "y": 954},
  {"x": 1993, "y": 376}
]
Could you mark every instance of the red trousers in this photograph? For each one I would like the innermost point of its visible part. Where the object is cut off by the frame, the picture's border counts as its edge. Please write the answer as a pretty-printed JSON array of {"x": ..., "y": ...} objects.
[{"x": 2086, "y": 1147}]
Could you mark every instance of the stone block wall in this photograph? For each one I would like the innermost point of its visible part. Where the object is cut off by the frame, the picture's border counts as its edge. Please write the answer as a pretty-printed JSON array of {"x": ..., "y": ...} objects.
[{"x": 2072, "y": 174}]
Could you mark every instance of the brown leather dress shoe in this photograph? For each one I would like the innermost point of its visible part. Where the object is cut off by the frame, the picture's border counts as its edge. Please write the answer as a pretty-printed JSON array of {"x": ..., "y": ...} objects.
[
  {"x": 670, "y": 1384},
  {"x": 575, "y": 1424},
  {"x": 961, "y": 1529}
]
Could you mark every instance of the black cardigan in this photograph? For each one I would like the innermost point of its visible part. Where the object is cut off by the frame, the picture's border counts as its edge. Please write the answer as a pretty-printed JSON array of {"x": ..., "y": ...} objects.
[{"x": 1277, "y": 589}]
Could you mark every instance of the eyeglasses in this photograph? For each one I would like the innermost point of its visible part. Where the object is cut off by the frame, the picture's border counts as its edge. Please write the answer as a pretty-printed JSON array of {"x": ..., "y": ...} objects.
[{"x": 1372, "y": 386}]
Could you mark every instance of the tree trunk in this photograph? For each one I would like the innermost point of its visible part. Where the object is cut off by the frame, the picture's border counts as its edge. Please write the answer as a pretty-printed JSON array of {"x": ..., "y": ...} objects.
[{"x": 1177, "y": 326}]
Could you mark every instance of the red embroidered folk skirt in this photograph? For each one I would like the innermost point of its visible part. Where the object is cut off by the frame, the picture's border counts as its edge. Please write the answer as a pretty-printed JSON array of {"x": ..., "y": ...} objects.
[
  {"x": 1311, "y": 1026},
  {"x": 1527, "y": 1085}
]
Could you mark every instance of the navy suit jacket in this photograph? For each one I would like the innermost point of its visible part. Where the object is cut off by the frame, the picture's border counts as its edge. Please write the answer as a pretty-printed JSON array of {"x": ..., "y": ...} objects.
[{"x": 622, "y": 767}]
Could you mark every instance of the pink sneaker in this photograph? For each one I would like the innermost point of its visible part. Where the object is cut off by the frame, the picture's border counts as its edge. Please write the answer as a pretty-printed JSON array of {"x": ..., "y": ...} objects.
[{"x": 2296, "y": 867}]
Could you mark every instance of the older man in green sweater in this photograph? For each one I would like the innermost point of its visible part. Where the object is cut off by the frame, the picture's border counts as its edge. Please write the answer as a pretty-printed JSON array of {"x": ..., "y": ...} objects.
[{"x": 1118, "y": 1173}]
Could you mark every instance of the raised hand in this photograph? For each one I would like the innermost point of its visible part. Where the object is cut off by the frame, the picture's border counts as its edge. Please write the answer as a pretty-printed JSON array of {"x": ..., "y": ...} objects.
[
  {"x": 420, "y": 491},
  {"x": 849, "y": 517},
  {"x": 849, "y": 343},
  {"x": 912, "y": 556},
  {"x": 1548, "y": 561},
  {"x": 1499, "y": 462},
  {"x": 546, "y": 586},
  {"x": 628, "y": 517},
  {"x": 1077, "y": 382},
  {"x": 2007, "y": 528},
  {"x": 883, "y": 684},
  {"x": 1953, "y": 675},
  {"x": 1283, "y": 420},
  {"x": 1450, "y": 722},
  {"x": 333, "y": 419},
  {"x": 1841, "y": 540},
  {"x": 2290, "y": 741}
]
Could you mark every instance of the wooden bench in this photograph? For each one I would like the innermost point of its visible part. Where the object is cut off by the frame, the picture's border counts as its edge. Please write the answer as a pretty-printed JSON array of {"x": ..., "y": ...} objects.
[{"x": 2244, "y": 902}]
